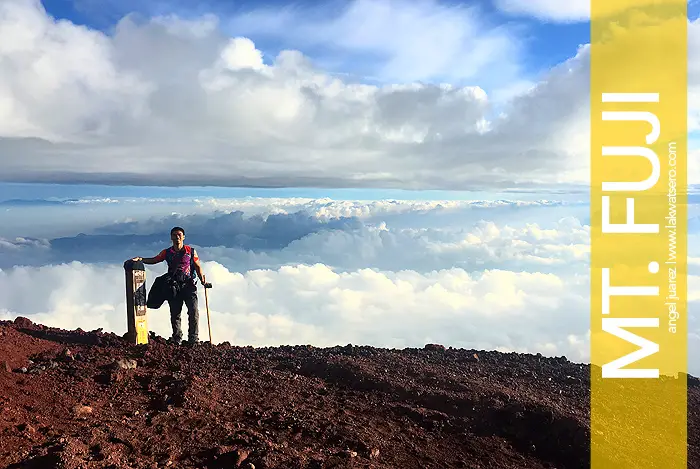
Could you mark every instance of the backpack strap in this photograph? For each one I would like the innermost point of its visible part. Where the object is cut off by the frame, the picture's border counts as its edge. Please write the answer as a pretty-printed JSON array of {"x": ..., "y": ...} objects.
[
  {"x": 169, "y": 257},
  {"x": 193, "y": 272}
]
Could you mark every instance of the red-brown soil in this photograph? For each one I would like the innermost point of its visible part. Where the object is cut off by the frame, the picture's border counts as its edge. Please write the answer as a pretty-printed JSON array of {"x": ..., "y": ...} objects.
[{"x": 75, "y": 399}]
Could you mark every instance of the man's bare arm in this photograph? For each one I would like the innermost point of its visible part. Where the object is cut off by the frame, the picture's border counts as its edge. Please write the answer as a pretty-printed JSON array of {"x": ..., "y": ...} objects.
[
  {"x": 151, "y": 260},
  {"x": 147, "y": 260},
  {"x": 198, "y": 269}
]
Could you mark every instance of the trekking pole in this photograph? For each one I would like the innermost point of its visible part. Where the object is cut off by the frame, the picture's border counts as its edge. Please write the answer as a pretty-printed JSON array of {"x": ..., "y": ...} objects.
[{"x": 206, "y": 300}]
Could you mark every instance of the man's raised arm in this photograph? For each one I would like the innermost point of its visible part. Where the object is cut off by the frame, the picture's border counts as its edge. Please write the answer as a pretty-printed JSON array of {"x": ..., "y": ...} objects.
[{"x": 151, "y": 260}]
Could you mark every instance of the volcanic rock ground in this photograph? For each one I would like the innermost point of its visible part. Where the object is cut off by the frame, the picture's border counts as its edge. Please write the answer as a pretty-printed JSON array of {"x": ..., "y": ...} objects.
[{"x": 75, "y": 399}]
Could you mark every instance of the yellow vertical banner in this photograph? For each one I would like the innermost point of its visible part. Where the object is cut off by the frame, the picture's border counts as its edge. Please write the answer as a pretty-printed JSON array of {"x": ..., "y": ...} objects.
[{"x": 638, "y": 99}]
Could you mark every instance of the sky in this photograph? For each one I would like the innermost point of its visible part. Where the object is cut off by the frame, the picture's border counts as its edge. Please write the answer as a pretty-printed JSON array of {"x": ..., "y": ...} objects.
[{"x": 384, "y": 172}]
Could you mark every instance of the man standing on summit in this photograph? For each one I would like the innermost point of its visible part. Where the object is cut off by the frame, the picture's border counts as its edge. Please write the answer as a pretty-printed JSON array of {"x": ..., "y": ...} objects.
[{"x": 183, "y": 262}]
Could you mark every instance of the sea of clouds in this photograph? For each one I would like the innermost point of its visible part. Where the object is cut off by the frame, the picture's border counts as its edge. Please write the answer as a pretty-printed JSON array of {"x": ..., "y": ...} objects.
[
  {"x": 169, "y": 100},
  {"x": 507, "y": 275}
]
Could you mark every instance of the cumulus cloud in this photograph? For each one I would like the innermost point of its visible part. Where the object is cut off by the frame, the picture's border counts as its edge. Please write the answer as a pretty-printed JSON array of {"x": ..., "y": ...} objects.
[
  {"x": 172, "y": 101},
  {"x": 479, "y": 247},
  {"x": 312, "y": 304},
  {"x": 385, "y": 40},
  {"x": 417, "y": 40},
  {"x": 348, "y": 235},
  {"x": 527, "y": 312},
  {"x": 176, "y": 101}
]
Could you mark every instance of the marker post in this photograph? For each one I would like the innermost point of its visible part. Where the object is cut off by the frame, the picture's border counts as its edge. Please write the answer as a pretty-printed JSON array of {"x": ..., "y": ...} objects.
[{"x": 137, "y": 325}]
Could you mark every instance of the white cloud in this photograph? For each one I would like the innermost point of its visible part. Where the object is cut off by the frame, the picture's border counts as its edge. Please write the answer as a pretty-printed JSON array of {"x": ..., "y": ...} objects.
[
  {"x": 400, "y": 40},
  {"x": 49, "y": 66},
  {"x": 348, "y": 235},
  {"x": 571, "y": 11},
  {"x": 146, "y": 215},
  {"x": 171, "y": 101},
  {"x": 483, "y": 246},
  {"x": 552, "y": 10},
  {"x": 467, "y": 281},
  {"x": 312, "y": 304}
]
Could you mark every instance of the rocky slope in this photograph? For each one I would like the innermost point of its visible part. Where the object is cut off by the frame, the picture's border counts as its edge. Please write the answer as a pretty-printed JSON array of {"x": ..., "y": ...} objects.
[{"x": 74, "y": 399}]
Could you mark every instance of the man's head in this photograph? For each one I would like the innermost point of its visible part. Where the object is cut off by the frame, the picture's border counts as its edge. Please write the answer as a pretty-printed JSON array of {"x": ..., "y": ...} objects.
[{"x": 177, "y": 235}]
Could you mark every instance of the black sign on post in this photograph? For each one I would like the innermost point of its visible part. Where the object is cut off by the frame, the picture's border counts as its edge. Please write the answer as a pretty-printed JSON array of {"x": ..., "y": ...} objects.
[{"x": 136, "y": 309}]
